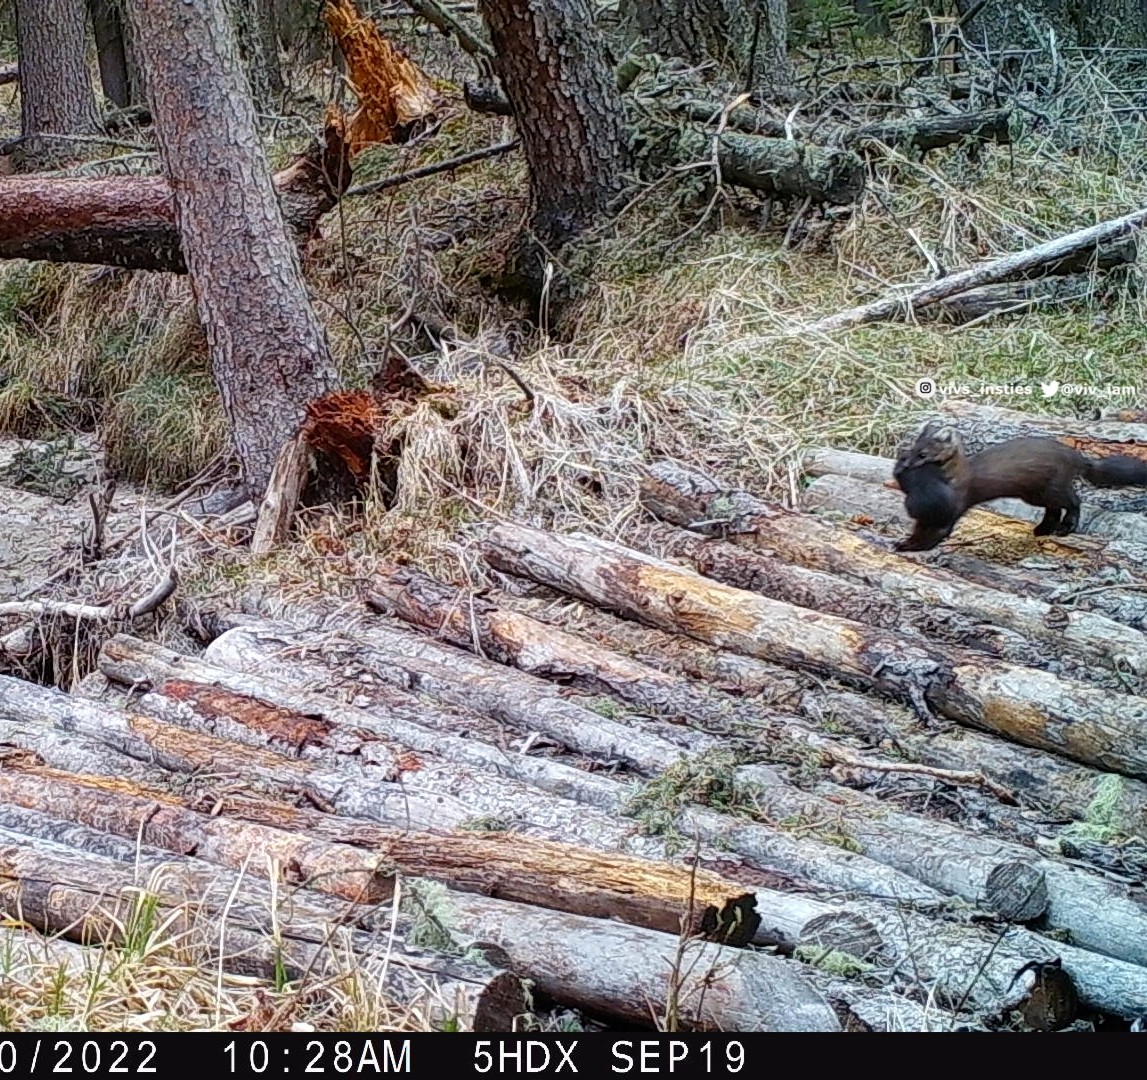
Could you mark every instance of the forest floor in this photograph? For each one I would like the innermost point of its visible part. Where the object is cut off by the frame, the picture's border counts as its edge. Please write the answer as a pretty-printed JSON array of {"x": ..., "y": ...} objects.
[{"x": 689, "y": 345}]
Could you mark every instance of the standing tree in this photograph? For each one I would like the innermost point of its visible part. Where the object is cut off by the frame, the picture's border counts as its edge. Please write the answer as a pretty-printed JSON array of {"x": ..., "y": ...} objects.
[
  {"x": 746, "y": 39},
  {"x": 254, "y": 22},
  {"x": 56, "y": 95},
  {"x": 553, "y": 67},
  {"x": 1087, "y": 23},
  {"x": 111, "y": 53},
  {"x": 269, "y": 352}
]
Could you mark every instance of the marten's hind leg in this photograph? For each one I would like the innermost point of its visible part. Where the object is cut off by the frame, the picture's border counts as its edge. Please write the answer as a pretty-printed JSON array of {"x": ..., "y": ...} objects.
[{"x": 1050, "y": 524}]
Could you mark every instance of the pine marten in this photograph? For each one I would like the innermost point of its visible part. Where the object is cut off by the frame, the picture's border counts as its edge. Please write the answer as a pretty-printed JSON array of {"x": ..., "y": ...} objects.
[{"x": 941, "y": 481}]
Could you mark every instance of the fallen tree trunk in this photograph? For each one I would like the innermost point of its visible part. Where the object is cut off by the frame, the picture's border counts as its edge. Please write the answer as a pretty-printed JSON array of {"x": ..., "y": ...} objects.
[
  {"x": 341, "y": 790},
  {"x": 773, "y": 166},
  {"x": 720, "y": 669},
  {"x": 820, "y": 591},
  {"x": 931, "y": 132},
  {"x": 638, "y": 975},
  {"x": 1010, "y": 268},
  {"x": 965, "y": 965},
  {"x": 88, "y": 898},
  {"x": 151, "y": 816},
  {"x": 1030, "y": 706},
  {"x": 1094, "y": 434},
  {"x": 1016, "y": 297},
  {"x": 532, "y": 647},
  {"x": 129, "y": 221},
  {"x": 515, "y": 639},
  {"x": 683, "y": 497},
  {"x": 520, "y": 701},
  {"x": 508, "y": 866},
  {"x": 778, "y": 167},
  {"x": 130, "y": 661},
  {"x": 1039, "y": 779},
  {"x": 767, "y": 847}
]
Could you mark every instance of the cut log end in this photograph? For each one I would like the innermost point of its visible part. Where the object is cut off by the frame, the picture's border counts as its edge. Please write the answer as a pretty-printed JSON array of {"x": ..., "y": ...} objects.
[{"x": 1016, "y": 891}]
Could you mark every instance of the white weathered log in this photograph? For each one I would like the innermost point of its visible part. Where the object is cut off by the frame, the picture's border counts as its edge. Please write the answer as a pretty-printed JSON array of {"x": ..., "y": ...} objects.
[
  {"x": 1009, "y": 268},
  {"x": 598, "y": 965},
  {"x": 685, "y": 497}
]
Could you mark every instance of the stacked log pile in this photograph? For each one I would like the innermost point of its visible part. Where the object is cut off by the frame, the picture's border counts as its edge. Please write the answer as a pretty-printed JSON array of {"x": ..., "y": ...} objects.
[{"x": 750, "y": 769}]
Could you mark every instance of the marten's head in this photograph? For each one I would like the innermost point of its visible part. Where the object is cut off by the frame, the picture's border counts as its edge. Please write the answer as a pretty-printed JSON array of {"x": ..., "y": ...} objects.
[{"x": 936, "y": 443}]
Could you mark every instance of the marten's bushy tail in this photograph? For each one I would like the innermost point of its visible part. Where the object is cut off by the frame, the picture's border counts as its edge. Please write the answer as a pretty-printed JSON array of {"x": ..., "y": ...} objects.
[{"x": 1119, "y": 471}]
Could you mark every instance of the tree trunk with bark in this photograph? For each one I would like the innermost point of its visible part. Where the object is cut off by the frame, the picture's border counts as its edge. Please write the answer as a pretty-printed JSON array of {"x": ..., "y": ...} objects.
[
  {"x": 747, "y": 39},
  {"x": 269, "y": 352},
  {"x": 1074, "y": 22},
  {"x": 111, "y": 52},
  {"x": 56, "y": 95},
  {"x": 553, "y": 67},
  {"x": 254, "y": 23}
]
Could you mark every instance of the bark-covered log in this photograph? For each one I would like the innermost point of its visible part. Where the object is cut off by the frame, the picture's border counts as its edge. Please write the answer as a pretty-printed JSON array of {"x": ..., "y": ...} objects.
[
  {"x": 516, "y": 640},
  {"x": 129, "y": 221},
  {"x": 767, "y": 847},
  {"x": 975, "y": 966},
  {"x": 1037, "y": 778},
  {"x": 528, "y": 704},
  {"x": 341, "y": 790},
  {"x": 627, "y": 972},
  {"x": 995, "y": 422},
  {"x": 506, "y": 865},
  {"x": 817, "y": 590},
  {"x": 154, "y": 817},
  {"x": 778, "y": 167},
  {"x": 684, "y": 496},
  {"x": 1021, "y": 264},
  {"x": 89, "y": 897},
  {"x": 931, "y": 132}
]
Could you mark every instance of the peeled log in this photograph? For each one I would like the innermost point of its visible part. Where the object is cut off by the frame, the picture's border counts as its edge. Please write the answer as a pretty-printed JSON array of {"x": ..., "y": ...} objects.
[
  {"x": 1003, "y": 421},
  {"x": 611, "y": 969},
  {"x": 1038, "y": 778},
  {"x": 684, "y": 496},
  {"x": 89, "y": 897},
  {"x": 760, "y": 572},
  {"x": 129, "y": 221},
  {"x": 153, "y": 817}
]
